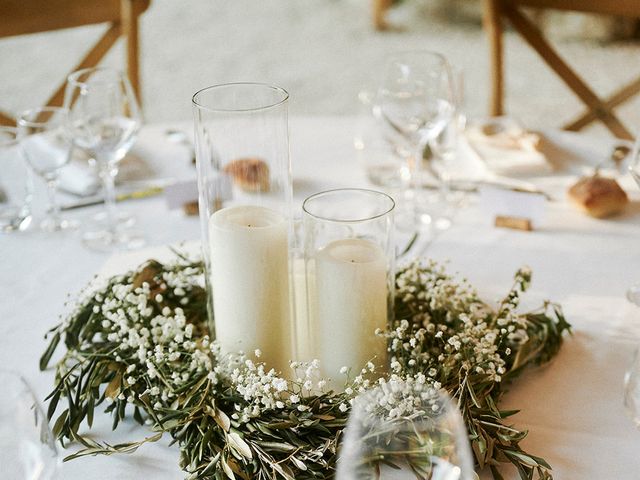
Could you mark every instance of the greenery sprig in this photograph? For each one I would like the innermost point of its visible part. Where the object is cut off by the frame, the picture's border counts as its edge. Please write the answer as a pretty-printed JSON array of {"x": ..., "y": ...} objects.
[{"x": 140, "y": 346}]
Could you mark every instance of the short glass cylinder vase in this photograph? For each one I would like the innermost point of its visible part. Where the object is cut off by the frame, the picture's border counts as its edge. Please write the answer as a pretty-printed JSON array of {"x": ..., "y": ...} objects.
[
  {"x": 350, "y": 278},
  {"x": 245, "y": 195}
]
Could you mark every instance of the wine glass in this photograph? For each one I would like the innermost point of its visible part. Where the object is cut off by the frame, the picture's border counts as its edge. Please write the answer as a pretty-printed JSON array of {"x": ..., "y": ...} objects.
[
  {"x": 47, "y": 149},
  {"x": 27, "y": 446},
  {"x": 405, "y": 430},
  {"x": 444, "y": 149},
  {"x": 414, "y": 102},
  {"x": 16, "y": 185},
  {"x": 632, "y": 389},
  {"x": 633, "y": 294},
  {"x": 104, "y": 120}
]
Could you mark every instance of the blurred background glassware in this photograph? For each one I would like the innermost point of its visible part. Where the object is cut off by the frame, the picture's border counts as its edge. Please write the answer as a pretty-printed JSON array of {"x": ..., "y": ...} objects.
[
  {"x": 444, "y": 150},
  {"x": 16, "y": 183},
  {"x": 632, "y": 389},
  {"x": 104, "y": 119},
  {"x": 633, "y": 294},
  {"x": 383, "y": 164},
  {"x": 414, "y": 103},
  {"x": 46, "y": 148},
  {"x": 405, "y": 430},
  {"x": 27, "y": 446}
]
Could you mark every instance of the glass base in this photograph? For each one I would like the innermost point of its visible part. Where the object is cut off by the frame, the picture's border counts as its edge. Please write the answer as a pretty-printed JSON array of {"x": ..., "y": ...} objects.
[
  {"x": 427, "y": 221},
  {"x": 51, "y": 225},
  {"x": 123, "y": 219},
  {"x": 13, "y": 221},
  {"x": 633, "y": 294},
  {"x": 109, "y": 241}
]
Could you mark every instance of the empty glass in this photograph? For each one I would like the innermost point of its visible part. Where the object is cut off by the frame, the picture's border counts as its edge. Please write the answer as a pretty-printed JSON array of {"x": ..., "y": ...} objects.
[
  {"x": 27, "y": 446},
  {"x": 634, "y": 165},
  {"x": 405, "y": 430},
  {"x": 384, "y": 156},
  {"x": 16, "y": 184},
  {"x": 47, "y": 149},
  {"x": 632, "y": 389},
  {"x": 414, "y": 102},
  {"x": 633, "y": 294},
  {"x": 104, "y": 119},
  {"x": 444, "y": 154}
]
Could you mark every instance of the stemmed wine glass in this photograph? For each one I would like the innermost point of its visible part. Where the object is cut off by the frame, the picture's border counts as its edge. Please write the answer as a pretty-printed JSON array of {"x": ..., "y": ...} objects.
[
  {"x": 633, "y": 294},
  {"x": 445, "y": 150},
  {"x": 404, "y": 430},
  {"x": 415, "y": 102},
  {"x": 46, "y": 149},
  {"x": 27, "y": 446},
  {"x": 632, "y": 389},
  {"x": 104, "y": 120},
  {"x": 16, "y": 183}
]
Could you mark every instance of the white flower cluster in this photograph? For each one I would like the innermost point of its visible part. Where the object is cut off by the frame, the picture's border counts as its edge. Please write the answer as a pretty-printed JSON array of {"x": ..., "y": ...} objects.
[
  {"x": 263, "y": 389},
  {"x": 400, "y": 397},
  {"x": 155, "y": 342},
  {"x": 428, "y": 288},
  {"x": 451, "y": 328}
]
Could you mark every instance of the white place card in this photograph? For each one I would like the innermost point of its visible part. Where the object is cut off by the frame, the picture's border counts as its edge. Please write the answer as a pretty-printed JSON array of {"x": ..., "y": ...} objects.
[
  {"x": 500, "y": 202},
  {"x": 180, "y": 193},
  {"x": 183, "y": 192}
]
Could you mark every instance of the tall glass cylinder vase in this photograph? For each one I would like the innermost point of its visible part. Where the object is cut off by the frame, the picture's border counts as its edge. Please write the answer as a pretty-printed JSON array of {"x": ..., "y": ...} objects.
[
  {"x": 350, "y": 274},
  {"x": 244, "y": 181}
]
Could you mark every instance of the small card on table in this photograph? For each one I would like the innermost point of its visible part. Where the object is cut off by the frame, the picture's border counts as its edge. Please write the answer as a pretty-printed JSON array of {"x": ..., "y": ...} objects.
[{"x": 511, "y": 209}]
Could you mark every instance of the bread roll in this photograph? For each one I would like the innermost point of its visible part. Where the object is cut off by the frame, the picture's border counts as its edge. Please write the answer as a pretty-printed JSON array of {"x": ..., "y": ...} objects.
[
  {"x": 250, "y": 174},
  {"x": 598, "y": 196}
]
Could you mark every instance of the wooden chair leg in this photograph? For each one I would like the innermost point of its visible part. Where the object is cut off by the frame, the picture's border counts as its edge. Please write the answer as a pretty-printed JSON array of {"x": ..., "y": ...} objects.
[
  {"x": 6, "y": 120},
  {"x": 533, "y": 36},
  {"x": 129, "y": 16},
  {"x": 380, "y": 8},
  {"x": 493, "y": 28},
  {"x": 92, "y": 59},
  {"x": 590, "y": 116}
]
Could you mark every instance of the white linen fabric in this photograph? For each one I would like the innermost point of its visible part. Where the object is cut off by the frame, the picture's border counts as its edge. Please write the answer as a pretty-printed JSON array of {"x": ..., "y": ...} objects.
[{"x": 572, "y": 407}]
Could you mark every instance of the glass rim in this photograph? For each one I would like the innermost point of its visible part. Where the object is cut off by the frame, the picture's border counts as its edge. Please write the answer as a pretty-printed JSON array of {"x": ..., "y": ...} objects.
[
  {"x": 10, "y": 140},
  {"x": 368, "y": 191},
  {"x": 23, "y": 122},
  {"x": 72, "y": 78},
  {"x": 9, "y": 128},
  {"x": 399, "y": 53},
  {"x": 196, "y": 102}
]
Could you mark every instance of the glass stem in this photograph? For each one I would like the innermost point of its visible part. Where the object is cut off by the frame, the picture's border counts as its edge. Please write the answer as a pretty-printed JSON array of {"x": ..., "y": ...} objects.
[
  {"x": 54, "y": 208},
  {"x": 445, "y": 186},
  {"x": 107, "y": 175}
]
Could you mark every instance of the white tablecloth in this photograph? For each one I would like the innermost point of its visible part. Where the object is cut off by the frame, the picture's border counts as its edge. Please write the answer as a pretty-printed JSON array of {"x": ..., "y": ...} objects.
[{"x": 572, "y": 407}]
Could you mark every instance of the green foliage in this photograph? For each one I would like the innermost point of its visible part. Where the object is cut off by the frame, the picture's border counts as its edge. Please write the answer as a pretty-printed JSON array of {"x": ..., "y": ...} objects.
[{"x": 139, "y": 347}]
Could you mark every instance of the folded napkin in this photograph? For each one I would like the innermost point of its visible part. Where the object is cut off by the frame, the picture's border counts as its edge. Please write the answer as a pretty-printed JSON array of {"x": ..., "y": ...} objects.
[
  {"x": 44, "y": 149},
  {"x": 78, "y": 178},
  {"x": 507, "y": 149}
]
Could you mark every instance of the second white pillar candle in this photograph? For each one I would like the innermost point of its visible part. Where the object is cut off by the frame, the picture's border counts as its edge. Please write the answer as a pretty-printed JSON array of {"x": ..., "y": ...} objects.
[{"x": 349, "y": 279}]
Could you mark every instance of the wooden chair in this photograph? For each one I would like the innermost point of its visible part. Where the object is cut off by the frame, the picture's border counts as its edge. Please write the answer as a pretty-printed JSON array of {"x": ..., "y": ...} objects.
[
  {"x": 597, "y": 109},
  {"x": 21, "y": 17}
]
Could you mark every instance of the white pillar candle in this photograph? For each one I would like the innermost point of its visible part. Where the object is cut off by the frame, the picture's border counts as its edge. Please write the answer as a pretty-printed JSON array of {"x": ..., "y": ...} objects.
[
  {"x": 302, "y": 342},
  {"x": 250, "y": 283},
  {"x": 350, "y": 304}
]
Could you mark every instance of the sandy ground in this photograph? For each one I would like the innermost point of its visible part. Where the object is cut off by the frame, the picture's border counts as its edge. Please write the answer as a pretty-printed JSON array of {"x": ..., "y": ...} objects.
[{"x": 322, "y": 51}]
